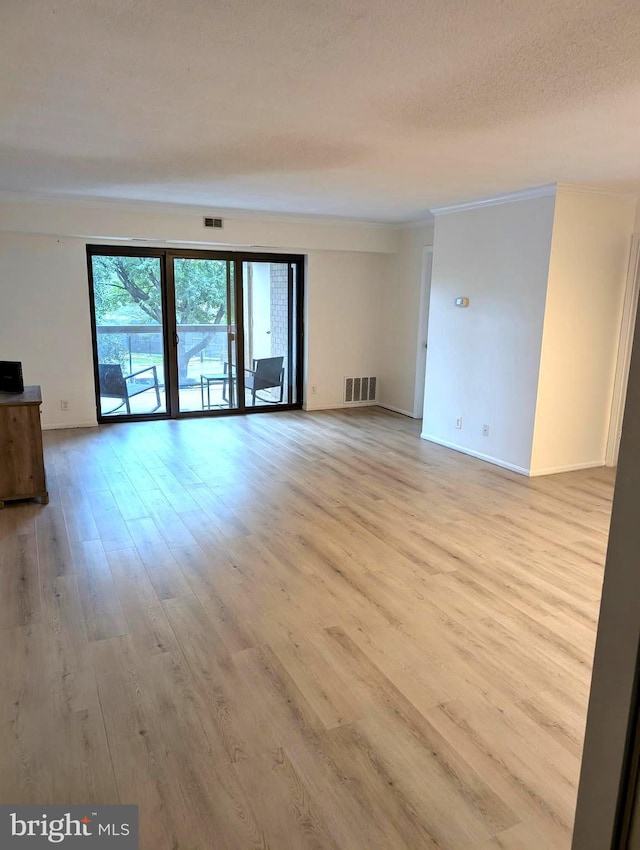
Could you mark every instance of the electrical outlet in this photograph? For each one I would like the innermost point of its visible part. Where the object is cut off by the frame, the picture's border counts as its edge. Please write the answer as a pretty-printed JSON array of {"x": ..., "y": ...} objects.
[
  {"x": 64, "y": 404},
  {"x": 459, "y": 422},
  {"x": 314, "y": 389},
  {"x": 485, "y": 430}
]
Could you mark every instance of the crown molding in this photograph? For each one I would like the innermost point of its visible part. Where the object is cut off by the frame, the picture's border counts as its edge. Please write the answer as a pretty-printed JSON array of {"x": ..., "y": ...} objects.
[
  {"x": 168, "y": 207},
  {"x": 496, "y": 200}
]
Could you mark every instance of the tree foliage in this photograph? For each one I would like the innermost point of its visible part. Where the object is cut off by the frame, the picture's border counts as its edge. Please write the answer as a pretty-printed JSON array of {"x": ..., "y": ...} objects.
[{"x": 127, "y": 290}]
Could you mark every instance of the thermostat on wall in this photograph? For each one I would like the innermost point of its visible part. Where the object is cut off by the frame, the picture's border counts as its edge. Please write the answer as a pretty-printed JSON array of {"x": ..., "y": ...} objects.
[{"x": 462, "y": 302}]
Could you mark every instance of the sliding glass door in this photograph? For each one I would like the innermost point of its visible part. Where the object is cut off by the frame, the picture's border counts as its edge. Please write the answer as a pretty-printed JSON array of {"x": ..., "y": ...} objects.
[
  {"x": 270, "y": 331},
  {"x": 206, "y": 334},
  {"x": 129, "y": 324},
  {"x": 194, "y": 332}
]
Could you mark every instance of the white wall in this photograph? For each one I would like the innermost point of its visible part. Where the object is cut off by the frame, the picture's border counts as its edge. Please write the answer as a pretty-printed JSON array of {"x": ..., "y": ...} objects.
[
  {"x": 343, "y": 304},
  {"x": 155, "y": 223},
  {"x": 587, "y": 276},
  {"x": 403, "y": 318},
  {"x": 44, "y": 304},
  {"x": 44, "y": 322},
  {"x": 483, "y": 361}
]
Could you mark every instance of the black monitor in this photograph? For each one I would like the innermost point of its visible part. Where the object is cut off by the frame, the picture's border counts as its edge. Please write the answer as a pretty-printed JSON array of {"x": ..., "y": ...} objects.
[{"x": 11, "y": 376}]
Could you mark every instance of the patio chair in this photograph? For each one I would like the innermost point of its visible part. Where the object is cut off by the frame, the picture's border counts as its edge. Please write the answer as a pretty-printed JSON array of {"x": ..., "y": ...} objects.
[
  {"x": 267, "y": 374},
  {"x": 113, "y": 384}
]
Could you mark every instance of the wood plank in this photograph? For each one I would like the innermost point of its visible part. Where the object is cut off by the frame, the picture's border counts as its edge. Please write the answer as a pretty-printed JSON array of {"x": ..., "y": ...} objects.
[
  {"x": 147, "y": 623},
  {"x": 211, "y": 667},
  {"x": 143, "y": 772},
  {"x": 19, "y": 583},
  {"x": 283, "y": 804},
  {"x": 103, "y": 614},
  {"x": 162, "y": 568},
  {"x": 112, "y": 529},
  {"x": 54, "y": 550}
]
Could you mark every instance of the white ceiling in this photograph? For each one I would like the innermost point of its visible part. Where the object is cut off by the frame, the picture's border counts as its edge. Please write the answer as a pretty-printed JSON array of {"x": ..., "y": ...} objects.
[{"x": 378, "y": 110}]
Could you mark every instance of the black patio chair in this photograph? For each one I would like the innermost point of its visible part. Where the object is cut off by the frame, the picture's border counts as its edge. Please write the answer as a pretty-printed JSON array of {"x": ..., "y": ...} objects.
[
  {"x": 267, "y": 374},
  {"x": 113, "y": 384}
]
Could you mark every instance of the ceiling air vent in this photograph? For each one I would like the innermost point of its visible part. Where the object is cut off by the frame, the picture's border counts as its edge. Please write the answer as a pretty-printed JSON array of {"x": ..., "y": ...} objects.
[
  {"x": 212, "y": 222},
  {"x": 359, "y": 390}
]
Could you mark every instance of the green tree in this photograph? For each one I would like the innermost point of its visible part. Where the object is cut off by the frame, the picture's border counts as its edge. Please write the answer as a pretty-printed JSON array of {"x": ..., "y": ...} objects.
[{"x": 127, "y": 290}]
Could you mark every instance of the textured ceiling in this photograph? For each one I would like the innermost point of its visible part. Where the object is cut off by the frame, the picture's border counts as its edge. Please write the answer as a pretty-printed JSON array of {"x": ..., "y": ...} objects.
[{"x": 362, "y": 108}]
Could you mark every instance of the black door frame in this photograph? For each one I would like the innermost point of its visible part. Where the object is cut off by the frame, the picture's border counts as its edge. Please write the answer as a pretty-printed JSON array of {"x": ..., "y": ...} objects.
[{"x": 236, "y": 259}]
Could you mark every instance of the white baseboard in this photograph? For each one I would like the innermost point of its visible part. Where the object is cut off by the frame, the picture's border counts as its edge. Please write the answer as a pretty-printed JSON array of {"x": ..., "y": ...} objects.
[
  {"x": 591, "y": 464},
  {"x": 397, "y": 410},
  {"x": 60, "y": 427},
  {"x": 311, "y": 408},
  {"x": 531, "y": 473},
  {"x": 521, "y": 470}
]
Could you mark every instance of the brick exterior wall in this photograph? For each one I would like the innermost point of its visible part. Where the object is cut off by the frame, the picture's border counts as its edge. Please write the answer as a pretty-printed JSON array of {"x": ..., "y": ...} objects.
[{"x": 280, "y": 317}]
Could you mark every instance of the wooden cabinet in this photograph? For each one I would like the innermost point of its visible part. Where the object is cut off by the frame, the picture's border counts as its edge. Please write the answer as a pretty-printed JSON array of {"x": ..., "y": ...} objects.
[{"x": 22, "y": 474}]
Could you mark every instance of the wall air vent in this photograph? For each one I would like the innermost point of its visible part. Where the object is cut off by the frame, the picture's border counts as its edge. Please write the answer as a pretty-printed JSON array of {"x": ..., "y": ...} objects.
[
  {"x": 359, "y": 390},
  {"x": 212, "y": 222}
]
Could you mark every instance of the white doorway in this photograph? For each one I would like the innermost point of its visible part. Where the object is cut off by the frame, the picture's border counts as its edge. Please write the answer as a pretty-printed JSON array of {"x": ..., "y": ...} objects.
[
  {"x": 423, "y": 328},
  {"x": 629, "y": 311}
]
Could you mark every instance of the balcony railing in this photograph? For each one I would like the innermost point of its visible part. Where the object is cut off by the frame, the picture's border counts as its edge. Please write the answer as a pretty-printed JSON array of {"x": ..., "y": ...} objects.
[{"x": 136, "y": 346}]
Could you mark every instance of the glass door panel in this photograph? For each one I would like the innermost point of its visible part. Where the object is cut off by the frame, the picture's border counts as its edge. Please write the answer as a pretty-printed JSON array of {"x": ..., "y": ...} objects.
[
  {"x": 270, "y": 344},
  {"x": 205, "y": 334},
  {"x": 129, "y": 322}
]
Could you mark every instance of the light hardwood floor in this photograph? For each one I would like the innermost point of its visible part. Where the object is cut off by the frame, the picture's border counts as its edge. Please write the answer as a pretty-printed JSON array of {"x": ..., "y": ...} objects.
[{"x": 300, "y": 631}]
